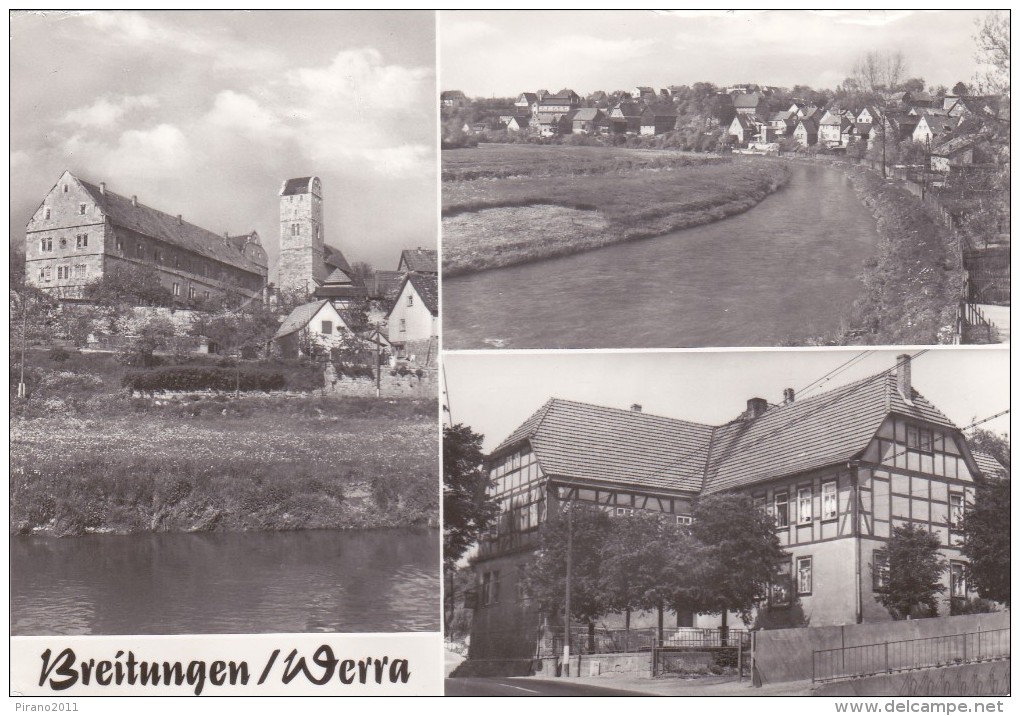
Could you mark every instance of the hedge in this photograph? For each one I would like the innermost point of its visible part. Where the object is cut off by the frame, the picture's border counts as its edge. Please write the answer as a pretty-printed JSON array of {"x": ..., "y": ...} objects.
[{"x": 178, "y": 378}]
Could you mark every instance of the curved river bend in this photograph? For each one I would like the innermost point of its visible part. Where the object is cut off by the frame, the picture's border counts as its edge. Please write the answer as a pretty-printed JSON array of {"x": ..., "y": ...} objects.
[
  {"x": 226, "y": 583},
  {"x": 786, "y": 269}
]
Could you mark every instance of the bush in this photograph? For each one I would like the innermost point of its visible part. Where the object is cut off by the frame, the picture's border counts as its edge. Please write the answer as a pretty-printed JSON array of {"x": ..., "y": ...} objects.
[{"x": 180, "y": 378}]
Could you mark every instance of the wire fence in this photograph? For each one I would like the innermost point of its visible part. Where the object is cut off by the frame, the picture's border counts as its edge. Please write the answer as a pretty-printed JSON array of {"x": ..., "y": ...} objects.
[{"x": 851, "y": 662}]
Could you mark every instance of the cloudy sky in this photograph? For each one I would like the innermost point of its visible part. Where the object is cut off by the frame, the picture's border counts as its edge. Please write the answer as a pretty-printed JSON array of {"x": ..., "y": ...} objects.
[
  {"x": 206, "y": 113},
  {"x": 505, "y": 53},
  {"x": 495, "y": 392}
]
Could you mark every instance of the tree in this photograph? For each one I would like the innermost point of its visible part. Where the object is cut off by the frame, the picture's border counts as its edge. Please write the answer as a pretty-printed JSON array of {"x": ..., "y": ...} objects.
[
  {"x": 155, "y": 333},
  {"x": 736, "y": 555},
  {"x": 467, "y": 510},
  {"x": 643, "y": 565},
  {"x": 993, "y": 43},
  {"x": 915, "y": 573},
  {"x": 578, "y": 534},
  {"x": 986, "y": 524},
  {"x": 128, "y": 285},
  {"x": 243, "y": 332}
]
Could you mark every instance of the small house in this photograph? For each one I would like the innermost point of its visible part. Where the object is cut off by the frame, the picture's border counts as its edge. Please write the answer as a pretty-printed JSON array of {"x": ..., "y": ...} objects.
[
  {"x": 315, "y": 324},
  {"x": 806, "y": 132},
  {"x": 414, "y": 316},
  {"x": 657, "y": 120}
]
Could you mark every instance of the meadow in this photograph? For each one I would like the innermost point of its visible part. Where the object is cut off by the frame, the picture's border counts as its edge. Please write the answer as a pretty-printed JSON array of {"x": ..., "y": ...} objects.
[
  {"x": 511, "y": 204},
  {"x": 98, "y": 460}
]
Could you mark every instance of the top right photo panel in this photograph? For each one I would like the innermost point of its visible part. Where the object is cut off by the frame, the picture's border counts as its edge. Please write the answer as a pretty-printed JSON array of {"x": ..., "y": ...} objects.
[{"x": 712, "y": 179}]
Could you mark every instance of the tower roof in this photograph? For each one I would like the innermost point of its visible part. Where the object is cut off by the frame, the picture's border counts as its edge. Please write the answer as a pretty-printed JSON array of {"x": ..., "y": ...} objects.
[{"x": 300, "y": 185}]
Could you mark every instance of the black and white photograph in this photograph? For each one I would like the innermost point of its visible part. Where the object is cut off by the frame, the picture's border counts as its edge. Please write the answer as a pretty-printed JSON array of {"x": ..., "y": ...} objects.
[
  {"x": 224, "y": 324},
  {"x": 637, "y": 179},
  {"x": 777, "y": 523}
]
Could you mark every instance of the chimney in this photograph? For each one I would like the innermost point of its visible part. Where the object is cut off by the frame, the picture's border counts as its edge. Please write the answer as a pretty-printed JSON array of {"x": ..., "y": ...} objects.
[
  {"x": 787, "y": 396},
  {"x": 102, "y": 188},
  {"x": 134, "y": 200},
  {"x": 179, "y": 220},
  {"x": 635, "y": 408},
  {"x": 756, "y": 407},
  {"x": 903, "y": 376}
]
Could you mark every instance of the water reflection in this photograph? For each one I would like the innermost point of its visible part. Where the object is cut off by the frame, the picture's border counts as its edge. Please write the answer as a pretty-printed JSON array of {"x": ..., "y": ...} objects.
[{"x": 258, "y": 582}]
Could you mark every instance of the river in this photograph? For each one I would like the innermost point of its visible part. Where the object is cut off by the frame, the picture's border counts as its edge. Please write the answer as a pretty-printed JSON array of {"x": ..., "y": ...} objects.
[
  {"x": 786, "y": 269},
  {"x": 226, "y": 583}
]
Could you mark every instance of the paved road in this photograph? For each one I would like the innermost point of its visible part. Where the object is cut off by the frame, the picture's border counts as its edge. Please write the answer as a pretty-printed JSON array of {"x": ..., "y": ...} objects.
[
  {"x": 503, "y": 686},
  {"x": 999, "y": 317}
]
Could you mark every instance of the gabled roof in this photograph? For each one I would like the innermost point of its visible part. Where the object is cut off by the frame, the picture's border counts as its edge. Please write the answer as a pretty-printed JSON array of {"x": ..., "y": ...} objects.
[
  {"x": 956, "y": 144},
  {"x": 137, "y": 217},
  {"x": 786, "y": 116},
  {"x": 529, "y": 97},
  {"x": 588, "y": 114},
  {"x": 810, "y": 125},
  {"x": 421, "y": 260},
  {"x": 629, "y": 109},
  {"x": 426, "y": 286},
  {"x": 814, "y": 432},
  {"x": 659, "y": 110},
  {"x": 588, "y": 442},
  {"x": 299, "y": 318},
  {"x": 334, "y": 259},
  {"x": 745, "y": 122},
  {"x": 592, "y": 443}
]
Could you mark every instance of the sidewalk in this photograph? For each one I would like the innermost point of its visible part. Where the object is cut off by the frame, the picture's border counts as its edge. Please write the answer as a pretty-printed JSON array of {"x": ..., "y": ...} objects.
[
  {"x": 673, "y": 686},
  {"x": 998, "y": 316}
]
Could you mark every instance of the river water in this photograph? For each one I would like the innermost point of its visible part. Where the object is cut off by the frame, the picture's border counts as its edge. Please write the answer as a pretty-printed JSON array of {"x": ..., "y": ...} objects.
[
  {"x": 786, "y": 269},
  {"x": 229, "y": 583}
]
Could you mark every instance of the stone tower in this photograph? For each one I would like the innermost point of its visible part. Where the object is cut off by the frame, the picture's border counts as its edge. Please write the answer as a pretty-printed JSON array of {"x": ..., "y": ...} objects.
[{"x": 302, "y": 265}]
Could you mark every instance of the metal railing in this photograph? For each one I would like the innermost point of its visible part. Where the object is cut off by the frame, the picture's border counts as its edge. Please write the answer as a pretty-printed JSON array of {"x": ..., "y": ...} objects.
[
  {"x": 852, "y": 662},
  {"x": 623, "y": 641}
]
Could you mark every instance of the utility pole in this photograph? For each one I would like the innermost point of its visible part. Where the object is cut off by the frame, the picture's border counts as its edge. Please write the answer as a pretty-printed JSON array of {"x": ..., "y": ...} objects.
[
  {"x": 22, "y": 392},
  {"x": 566, "y": 610},
  {"x": 378, "y": 371},
  {"x": 883, "y": 143}
]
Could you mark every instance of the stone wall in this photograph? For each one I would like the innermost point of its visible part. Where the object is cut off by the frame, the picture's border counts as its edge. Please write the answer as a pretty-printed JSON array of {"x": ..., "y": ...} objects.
[
  {"x": 984, "y": 679},
  {"x": 390, "y": 385}
]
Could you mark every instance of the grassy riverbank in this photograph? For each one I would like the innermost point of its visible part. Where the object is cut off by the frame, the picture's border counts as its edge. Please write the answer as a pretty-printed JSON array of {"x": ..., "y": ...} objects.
[
  {"x": 513, "y": 204},
  {"x": 913, "y": 284},
  {"x": 219, "y": 464}
]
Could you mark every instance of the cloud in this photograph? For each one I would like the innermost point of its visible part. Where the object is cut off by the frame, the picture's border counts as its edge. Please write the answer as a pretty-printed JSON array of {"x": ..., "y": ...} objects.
[
  {"x": 105, "y": 111},
  {"x": 153, "y": 32},
  {"x": 870, "y": 18},
  {"x": 155, "y": 151},
  {"x": 240, "y": 113},
  {"x": 19, "y": 158},
  {"x": 455, "y": 31}
]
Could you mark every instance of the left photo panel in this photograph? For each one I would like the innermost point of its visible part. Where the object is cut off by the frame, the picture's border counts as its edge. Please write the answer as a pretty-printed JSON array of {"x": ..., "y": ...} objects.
[{"x": 224, "y": 441}]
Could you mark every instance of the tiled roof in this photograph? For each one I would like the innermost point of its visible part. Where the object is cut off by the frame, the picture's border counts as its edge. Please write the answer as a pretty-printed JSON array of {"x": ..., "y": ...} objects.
[
  {"x": 589, "y": 442},
  {"x": 340, "y": 291},
  {"x": 299, "y": 318},
  {"x": 988, "y": 464},
  {"x": 421, "y": 260},
  {"x": 427, "y": 286},
  {"x": 810, "y": 433},
  {"x": 122, "y": 212},
  {"x": 382, "y": 283},
  {"x": 593, "y": 443},
  {"x": 587, "y": 114},
  {"x": 956, "y": 144},
  {"x": 339, "y": 276}
]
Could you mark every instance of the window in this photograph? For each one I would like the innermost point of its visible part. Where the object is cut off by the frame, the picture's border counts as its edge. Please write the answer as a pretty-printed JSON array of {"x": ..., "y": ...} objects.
[
  {"x": 957, "y": 580},
  {"x": 804, "y": 515},
  {"x": 622, "y": 511},
  {"x": 829, "y": 503},
  {"x": 60, "y": 272},
  {"x": 782, "y": 509},
  {"x": 410, "y": 299},
  {"x": 177, "y": 261},
  {"x": 205, "y": 295},
  {"x": 684, "y": 520},
  {"x": 403, "y": 325},
  {"x": 803, "y": 575},
  {"x": 140, "y": 250},
  {"x": 82, "y": 208},
  {"x": 779, "y": 594},
  {"x": 955, "y": 509},
  {"x": 880, "y": 570},
  {"x": 490, "y": 588},
  {"x": 177, "y": 289},
  {"x": 47, "y": 213},
  {"x": 120, "y": 244},
  {"x": 81, "y": 241},
  {"x": 46, "y": 244},
  {"x": 63, "y": 243},
  {"x": 65, "y": 188},
  {"x": 327, "y": 328},
  {"x": 191, "y": 292},
  {"x": 157, "y": 255}
]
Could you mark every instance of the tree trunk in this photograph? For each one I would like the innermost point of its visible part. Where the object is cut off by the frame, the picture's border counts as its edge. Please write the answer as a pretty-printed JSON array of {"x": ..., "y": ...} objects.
[
  {"x": 626, "y": 630},
  {"x": 724, "y": 630},
  {"x": 658, "y": 636},
  {"x": 591, "y": 637}
]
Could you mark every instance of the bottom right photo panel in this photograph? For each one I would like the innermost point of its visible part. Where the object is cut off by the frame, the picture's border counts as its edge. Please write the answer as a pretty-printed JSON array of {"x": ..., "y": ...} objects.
[{"x": 805, "y": 522}]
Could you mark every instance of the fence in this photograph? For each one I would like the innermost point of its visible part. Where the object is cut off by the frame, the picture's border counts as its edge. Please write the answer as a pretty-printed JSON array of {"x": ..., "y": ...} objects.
[
  {"x": 623, "y": 641},
  {"x": 885, "y": 658}
]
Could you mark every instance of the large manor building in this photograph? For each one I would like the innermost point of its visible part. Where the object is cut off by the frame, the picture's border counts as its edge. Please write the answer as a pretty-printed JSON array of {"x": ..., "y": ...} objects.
[
  {"x": 83, "y": 231},
  {"x": 837, "y": 471}
]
